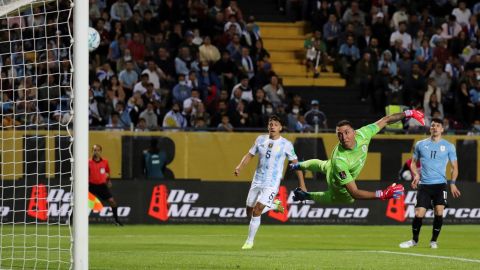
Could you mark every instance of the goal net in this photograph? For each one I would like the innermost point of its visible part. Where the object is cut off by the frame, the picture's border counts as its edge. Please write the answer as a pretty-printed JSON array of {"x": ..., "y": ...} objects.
[{"x": 36, "y": 141}]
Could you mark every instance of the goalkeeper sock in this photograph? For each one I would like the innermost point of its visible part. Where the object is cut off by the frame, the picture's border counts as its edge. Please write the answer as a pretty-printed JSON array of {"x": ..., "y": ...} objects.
[
  {"x": 416, "y": 225},
  {"x": 437, "y": 226},
  {"x": 252, "y": 230}
]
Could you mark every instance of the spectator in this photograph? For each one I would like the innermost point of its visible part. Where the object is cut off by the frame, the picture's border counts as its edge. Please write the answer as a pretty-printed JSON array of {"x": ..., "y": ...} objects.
[
  {"x": 399, "y": 17},
  {"x": 402, "y": 35},
  {"x": 302, "y": 126},
  {"x": 462, "y": 13},
  {"x": 128, "y": 77},
  {"x": 233, "y": 9},
  {"x": 121, "y": 11},
  {"x": 155, "y": 74},
  {"x": 316, "y": 54},
  {"x": 142, "y": 85},
  {"x": 274, "y": 91},
  {"x": 136, "y": 47},
  {"x": 247, "y": 66},
  {"x": 395, "y": 92},
  {"x": 208, "y": 84},
  {"x": 349, "y": 54},
  {"x": 354, "y": 10},
  {"x": 115, "y": 123},
  {"x": 124, "y": 116},
  {"x": 227, "y": 71},
  {"x": 240, "y": 117},
  {"x": 451, "y": 28},
  {"x": 225, "y": 125},
  {"x": 331, "y": 32},
  {"x": 174, "y": 118},
  {"x": 235, "y": 48},
  {"x": 190, "y": 105},
  {"x": 441, "y": 79},
  {"x": 381, "y": 82},
  {"x": 141, "y": 126},
  {"x": 364, "y": 73},
  {"x": 208, "y": 52},
  {"x": 150, "y": 116},
  {"x": 246, "y": 91},
  {"x": 259, "y": 53},
  {"x": 181, "y": 91},
  {"x": 314, "y": 117},
  {"x": 386, "y": 60},
  {"x": 184, "y": 63},
  {"x": 415, "y": 85},
  {"x": 257, "y": 109}
]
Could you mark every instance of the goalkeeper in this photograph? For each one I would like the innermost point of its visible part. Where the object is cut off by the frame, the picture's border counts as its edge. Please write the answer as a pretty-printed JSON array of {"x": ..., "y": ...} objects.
[{"x": 347, "y": 161}]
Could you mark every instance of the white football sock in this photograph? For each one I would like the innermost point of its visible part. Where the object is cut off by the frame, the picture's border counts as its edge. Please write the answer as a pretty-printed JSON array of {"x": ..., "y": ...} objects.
[{"x": 252, "y": 229}]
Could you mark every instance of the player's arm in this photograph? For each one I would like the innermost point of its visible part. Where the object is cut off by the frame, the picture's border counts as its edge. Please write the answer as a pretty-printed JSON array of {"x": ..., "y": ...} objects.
[
  {"x": 359, "y": 194},
  {"x": 453, "y": 187},
  {"x": 246, "y": 158},
  {"x": 393, "y": 118},
  {"x": 107, "y": 174},
  {"x": 393, "y": 191},
  {"x": 301, "y": 179},
  {"x": 416, "y": 174}
]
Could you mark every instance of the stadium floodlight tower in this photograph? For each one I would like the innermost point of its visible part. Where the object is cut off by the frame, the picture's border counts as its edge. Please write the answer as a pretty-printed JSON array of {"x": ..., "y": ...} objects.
[{"x": 43, "y": 161}]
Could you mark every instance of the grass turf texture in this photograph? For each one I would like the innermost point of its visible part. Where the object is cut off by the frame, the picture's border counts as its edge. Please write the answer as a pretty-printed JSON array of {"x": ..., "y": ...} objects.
[{"x": 276, "y": 247}]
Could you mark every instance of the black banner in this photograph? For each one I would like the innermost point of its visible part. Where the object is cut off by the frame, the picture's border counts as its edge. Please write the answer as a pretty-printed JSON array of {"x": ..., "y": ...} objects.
[{"x": 186, "y": 201}]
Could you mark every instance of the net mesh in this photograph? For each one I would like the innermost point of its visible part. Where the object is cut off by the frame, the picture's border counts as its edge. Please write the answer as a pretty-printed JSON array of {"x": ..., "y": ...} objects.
[{"x": 35, "y": 137}]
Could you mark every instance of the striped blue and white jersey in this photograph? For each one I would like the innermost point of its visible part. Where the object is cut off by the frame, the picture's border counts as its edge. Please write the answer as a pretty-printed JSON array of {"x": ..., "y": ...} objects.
[{"x": 271, "y": 159}]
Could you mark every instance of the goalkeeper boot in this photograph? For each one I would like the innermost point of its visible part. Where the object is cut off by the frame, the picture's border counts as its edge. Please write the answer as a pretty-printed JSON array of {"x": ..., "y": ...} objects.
[
  {"x": 300, "y": 195},
  {"x": 247, "y": 245},
  {"x": 278, "y": 207},
  {"x": 433, "y": 244},
  {"x": 408, "y": 244}
]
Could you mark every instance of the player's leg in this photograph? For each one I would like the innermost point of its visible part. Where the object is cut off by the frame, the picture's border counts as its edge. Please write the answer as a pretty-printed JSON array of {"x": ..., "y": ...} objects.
[
  {"x": 439, "y": 202},
  {"x": 265, "y": 197},
  {"x": 314, "y": 165},
  {"x": 424, "y": 201},
  {"x": 105, "y": 194}
]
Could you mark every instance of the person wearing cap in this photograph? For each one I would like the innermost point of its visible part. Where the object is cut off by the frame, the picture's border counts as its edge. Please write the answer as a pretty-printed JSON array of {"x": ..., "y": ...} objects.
[{"x": 315, "y": 117}]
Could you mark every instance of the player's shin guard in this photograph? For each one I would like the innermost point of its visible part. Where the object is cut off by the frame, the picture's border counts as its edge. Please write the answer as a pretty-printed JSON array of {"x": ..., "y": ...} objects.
[
  {"x": 416, "y": 226},
  {"x": 252, "y": 229},
  {"x": 437, "y": 226}
]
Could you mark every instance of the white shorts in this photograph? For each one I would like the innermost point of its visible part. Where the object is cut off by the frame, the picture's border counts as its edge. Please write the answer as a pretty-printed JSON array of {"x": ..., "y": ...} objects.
[{"x": 262, "y": 195}]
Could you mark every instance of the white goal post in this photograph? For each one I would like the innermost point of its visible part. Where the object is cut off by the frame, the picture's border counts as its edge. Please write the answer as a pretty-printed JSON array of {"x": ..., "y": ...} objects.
[{"x": 44, "y": 134}]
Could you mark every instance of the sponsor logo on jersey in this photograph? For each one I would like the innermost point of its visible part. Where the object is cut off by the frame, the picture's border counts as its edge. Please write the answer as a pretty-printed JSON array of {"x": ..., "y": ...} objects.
[
  {"x": 364, "y": 148},
  {"x": 343, "y": 175},
  {"x": 442, "y": 148}
]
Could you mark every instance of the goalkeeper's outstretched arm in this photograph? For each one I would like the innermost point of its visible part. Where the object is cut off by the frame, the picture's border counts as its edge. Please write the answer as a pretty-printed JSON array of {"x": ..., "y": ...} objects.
[
  {"x": 393, "y": 191},
  {"x": 393, "y": 118}
]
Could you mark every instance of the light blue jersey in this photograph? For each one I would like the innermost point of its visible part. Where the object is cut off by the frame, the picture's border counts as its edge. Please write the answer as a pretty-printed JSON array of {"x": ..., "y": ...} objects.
[{"x": 434, "y": 157}]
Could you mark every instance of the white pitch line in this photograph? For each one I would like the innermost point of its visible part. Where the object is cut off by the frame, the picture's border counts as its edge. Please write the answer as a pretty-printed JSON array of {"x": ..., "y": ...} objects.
[{"x": 422, "y": 255}]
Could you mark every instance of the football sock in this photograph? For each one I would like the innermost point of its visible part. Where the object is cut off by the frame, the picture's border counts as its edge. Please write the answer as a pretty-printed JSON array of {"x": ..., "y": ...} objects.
[
  {"x": 115, "y": 214},
  {"x": 437, "y": 226},
  {"x": 416, "y": 225},
  {"x": 252, "y": 229}
]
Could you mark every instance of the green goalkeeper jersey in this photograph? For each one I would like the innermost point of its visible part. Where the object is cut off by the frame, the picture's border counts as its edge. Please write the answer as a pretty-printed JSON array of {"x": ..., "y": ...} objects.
[{"x": 346, "y": 164}]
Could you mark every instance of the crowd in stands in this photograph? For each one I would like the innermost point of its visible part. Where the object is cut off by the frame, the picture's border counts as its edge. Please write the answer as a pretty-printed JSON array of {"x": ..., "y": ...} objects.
[
  {"x": 181, "y": 64},
  {"x": 201, "y": 65},
  {"x": 418, "y": 54}
]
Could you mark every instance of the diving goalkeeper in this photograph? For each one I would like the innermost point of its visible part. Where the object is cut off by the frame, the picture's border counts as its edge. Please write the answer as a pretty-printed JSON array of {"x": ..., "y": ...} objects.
[{"x": 347, "y": 161}]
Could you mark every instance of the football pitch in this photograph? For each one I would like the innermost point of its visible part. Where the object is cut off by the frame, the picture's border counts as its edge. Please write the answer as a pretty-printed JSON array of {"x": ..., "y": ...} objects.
[{"x": 280, "y": 247}]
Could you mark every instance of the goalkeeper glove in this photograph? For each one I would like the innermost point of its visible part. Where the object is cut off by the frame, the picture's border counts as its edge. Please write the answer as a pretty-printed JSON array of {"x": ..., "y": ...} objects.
[
  {"x": 294, "y": 166},
  {"x": 393, "y": 191},
  {"x": 417, "y": 115}
]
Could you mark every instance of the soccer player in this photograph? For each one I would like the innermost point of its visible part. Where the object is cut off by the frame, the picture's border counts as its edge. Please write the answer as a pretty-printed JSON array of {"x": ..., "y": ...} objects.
[
  {"x": 272, "y": 150},
  {"x": 434, "y": 154},
  {"x": 99, "y": 183},
  {"x": 347, "y": 161}
]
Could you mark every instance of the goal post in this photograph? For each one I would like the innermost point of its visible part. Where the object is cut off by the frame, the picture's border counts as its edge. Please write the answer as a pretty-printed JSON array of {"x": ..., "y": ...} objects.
[
  {"x": 44, "y": 134},
  {"x": 81, "y": 103}
]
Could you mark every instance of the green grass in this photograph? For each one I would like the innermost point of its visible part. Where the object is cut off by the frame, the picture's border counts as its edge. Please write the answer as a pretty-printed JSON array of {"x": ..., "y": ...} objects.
[{"x": 276, "y": 247}]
